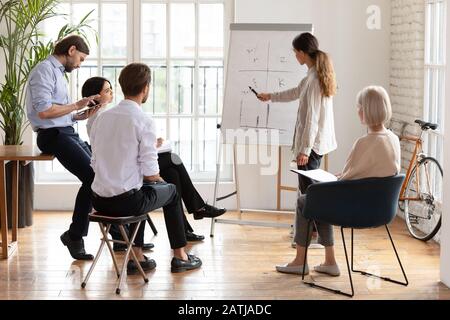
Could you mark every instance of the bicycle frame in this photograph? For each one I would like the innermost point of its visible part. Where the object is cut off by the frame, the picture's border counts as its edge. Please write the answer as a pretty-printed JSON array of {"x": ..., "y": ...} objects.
[{"x": 419, "y": 143}]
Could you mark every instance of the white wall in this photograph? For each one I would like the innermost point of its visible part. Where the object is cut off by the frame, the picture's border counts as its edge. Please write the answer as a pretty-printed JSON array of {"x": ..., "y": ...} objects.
[
  {"x": 361, "y": 57},
  {"x": 445, "y": 229},
  {"x": 407, "y": 68}
]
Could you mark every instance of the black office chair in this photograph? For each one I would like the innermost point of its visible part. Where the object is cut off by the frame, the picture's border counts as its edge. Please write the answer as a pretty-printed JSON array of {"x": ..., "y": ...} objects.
[{"x": 354, "y": 204}]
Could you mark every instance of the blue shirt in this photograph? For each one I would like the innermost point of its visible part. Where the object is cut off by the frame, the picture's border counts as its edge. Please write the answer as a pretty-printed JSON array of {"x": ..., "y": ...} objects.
[{"x": 47, "y": 86}]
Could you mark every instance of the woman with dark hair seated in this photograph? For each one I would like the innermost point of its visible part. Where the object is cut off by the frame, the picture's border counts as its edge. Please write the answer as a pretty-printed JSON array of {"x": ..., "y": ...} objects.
[{"x": 171, "y": 168}]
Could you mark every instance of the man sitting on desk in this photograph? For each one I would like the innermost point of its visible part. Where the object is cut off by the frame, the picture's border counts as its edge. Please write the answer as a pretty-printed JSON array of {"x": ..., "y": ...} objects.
[
  {"x": 52, "y": 116},
  {"x": 125, "y": 162}
]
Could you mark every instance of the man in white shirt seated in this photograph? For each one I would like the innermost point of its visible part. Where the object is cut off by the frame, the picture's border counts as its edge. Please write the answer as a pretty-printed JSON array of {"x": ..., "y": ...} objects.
[{"x": 125, "y": 162}]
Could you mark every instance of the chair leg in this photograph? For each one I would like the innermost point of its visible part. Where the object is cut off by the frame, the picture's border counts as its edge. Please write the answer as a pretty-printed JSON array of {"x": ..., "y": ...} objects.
[
  {"x": 311, "y": 284},
  {"x": 364, "y": 273},
  {"x": 398, "y": 259},
  {"x": 97, "y": 256},
  {"x": 127, "y": 255},
  {"x": 351, "y": 244},
  {"x": 108, "y": 243},
  {"x": 136, "y": 260},
  {"x": 306, "y": 253},
  {"x": 212, "y": 227},
  {"x": 152, "y": 226}
]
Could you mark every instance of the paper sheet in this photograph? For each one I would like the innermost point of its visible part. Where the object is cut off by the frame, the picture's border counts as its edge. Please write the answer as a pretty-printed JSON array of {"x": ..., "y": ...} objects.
[
  {"x": 317, "y": 175},
  {"x": 165, "y": 147}
]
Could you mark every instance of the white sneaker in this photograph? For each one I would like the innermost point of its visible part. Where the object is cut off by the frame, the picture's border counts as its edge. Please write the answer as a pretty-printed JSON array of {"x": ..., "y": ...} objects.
[
  {"x": 292, "y": 269},
  {"x": 330, "y": 270}
]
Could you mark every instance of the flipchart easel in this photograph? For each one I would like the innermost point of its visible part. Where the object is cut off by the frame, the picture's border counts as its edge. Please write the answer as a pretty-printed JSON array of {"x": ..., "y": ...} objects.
[
  {"x": 259, "y": 54},
  {"x": 240, "y": 210}
]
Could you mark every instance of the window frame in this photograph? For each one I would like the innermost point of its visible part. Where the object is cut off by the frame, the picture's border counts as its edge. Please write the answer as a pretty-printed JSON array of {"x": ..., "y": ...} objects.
[
  {"x": 433, "y": 66},
  {"x": 134, "y": 38},
  {"x": 434, "y": 140}
]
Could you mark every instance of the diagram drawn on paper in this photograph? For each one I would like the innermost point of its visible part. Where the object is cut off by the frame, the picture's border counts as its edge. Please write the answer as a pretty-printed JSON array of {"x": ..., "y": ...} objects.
[
  {"x": 262, "y": 59},
  {"x": 260, "y": 78}
]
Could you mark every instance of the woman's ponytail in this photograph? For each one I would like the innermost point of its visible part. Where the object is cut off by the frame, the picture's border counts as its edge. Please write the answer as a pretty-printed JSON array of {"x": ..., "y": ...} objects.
[{"x": 326, "y": 74}]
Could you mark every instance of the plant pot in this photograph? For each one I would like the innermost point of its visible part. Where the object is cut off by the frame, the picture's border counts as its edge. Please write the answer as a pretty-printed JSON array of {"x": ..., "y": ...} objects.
[{"x": 25, "y": 192}]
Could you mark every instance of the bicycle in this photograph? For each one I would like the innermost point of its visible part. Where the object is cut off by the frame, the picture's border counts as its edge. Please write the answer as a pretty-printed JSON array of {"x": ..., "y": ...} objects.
[{"x": 421, "y": 193}]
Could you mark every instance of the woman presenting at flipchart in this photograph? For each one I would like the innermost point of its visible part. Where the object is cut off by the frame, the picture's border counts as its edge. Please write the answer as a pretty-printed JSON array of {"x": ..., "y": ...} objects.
[{"x": 314, "y": 130}]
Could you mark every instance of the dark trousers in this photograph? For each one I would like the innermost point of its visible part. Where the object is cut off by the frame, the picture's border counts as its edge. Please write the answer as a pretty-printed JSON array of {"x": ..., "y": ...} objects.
[
  {"x": 313, "y": 163},
  {"x": 75, "y": 156},
  {"x": 172, "y": 170},
  {"x": 304, "y": 182},
  {"x": 150, "y": 197}
]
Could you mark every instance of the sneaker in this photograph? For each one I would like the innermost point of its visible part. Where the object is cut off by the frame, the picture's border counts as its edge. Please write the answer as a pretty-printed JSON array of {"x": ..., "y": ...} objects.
[{"x": 330, "y": 270}]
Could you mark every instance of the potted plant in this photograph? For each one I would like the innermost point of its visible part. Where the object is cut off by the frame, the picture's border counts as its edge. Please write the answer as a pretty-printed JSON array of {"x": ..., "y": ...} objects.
[{"x": 21, "y": 49}]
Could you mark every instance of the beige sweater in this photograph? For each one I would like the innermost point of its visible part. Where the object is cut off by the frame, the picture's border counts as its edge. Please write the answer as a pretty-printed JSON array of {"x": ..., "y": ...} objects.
[{"x": 374, "y": 155}]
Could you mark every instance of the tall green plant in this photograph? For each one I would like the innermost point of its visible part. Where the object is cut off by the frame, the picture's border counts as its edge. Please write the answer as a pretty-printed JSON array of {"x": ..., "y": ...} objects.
[{"x": 22, "y": 49}]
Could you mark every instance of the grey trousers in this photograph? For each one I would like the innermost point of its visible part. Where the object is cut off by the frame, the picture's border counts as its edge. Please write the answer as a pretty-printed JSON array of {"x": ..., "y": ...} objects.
[{"x": 326, "y": 237}]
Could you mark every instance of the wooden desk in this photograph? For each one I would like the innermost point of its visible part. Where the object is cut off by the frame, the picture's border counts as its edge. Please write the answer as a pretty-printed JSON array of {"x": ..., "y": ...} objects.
[{"x": 14, "y": 154}]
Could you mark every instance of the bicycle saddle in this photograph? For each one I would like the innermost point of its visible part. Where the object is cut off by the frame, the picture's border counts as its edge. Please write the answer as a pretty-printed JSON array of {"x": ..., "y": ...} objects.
[{"x": 426, "y": 125}]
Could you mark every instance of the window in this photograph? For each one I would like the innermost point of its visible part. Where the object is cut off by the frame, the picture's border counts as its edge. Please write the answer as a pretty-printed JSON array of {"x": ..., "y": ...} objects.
[
  {"x": 435, "y": 64},
  {"x": 183, "y": 43}
]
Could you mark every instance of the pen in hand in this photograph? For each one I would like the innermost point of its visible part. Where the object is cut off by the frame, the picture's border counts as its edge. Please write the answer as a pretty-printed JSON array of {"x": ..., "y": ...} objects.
[{"x": 253, "y": 90}]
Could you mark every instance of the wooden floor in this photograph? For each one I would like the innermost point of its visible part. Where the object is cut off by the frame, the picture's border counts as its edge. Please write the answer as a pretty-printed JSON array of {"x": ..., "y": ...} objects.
[{"x": 238, "y": 263}]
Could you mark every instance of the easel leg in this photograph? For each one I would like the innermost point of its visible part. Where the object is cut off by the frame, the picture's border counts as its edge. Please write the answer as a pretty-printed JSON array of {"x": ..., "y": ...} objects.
[
  {"x": 216, "y": 185},
  {"x": 236, "y": 181},
  {"x": 279, "y": 180}
]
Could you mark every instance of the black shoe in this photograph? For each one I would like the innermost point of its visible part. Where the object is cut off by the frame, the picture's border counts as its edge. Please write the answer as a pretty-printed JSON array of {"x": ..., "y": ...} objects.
[
  {"x": 76, "y": 247},
  {"x": 209, "y": 211},
  {"x": 117, "y": 247},
  {"x": 178, "y": 265},
  {"x": 190, "y": 236},
  {"x": 147, "y": 265}
]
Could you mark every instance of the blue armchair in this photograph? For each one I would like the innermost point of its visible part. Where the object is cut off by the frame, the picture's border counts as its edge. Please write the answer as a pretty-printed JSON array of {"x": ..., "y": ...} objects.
[{"x": 354, "y": 204}]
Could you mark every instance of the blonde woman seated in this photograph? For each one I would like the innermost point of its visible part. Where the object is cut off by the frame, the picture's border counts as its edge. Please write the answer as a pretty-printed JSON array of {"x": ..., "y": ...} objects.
[{"x": 377, "y": 154}]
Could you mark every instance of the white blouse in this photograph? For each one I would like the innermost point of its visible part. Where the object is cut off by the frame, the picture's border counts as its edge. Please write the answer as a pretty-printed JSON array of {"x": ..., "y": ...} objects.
[{"x": 314, "y": 129}]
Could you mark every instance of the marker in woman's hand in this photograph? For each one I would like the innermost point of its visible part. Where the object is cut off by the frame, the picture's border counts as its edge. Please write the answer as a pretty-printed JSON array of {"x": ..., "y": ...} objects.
[{"x": 253, "y": 90}]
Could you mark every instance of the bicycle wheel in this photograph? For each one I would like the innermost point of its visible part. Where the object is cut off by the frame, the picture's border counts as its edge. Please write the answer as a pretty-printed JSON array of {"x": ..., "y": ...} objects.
[
  {"x": 401, "y": 205},
  {"x": 423, "y": 216}
]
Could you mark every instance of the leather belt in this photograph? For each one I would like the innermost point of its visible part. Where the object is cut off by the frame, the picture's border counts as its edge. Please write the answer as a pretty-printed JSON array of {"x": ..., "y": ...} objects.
[{"x": 118, "y": 197}]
